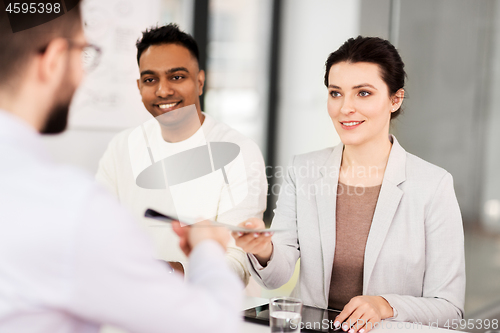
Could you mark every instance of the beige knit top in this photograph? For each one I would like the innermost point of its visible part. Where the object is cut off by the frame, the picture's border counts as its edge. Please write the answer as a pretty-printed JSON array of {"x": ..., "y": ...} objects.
[{"x": 354, "y": 214}]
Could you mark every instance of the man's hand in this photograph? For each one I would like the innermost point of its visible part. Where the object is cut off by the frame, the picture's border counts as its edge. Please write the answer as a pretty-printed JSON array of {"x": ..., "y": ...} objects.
[
  {"x": 191, "y": 236},
  {"x": 362, "y": 313},
  {"x": 259, "y": 244}
]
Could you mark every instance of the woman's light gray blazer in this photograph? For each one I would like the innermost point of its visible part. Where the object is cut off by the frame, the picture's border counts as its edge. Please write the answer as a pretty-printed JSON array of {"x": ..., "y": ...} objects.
[{"x": 414, "y": 254}]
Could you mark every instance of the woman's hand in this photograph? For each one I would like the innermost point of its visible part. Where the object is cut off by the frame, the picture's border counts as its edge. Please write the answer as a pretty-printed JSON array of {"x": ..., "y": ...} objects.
[
  {"x": 258, "y": 244},
  {"x": 362, "y": 313}
]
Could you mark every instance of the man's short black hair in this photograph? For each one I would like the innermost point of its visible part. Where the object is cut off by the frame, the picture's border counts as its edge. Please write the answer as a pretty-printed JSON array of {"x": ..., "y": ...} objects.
[{"x": 168, "y": 34}]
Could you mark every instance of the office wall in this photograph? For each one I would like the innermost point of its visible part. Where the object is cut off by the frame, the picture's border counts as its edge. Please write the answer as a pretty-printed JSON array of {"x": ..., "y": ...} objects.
[
  {"x": 490, "y": 196},
  {"x": 238, "y": 51},
  {"x": 446, "y": 47}
]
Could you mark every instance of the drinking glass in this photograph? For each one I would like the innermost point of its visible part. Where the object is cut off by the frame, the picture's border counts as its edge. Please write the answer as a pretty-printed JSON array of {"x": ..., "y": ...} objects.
[{"x": 285, "y": 314}]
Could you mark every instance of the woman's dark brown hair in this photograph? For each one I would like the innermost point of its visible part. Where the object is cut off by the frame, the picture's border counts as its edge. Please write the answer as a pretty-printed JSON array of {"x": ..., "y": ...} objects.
[{"x": 373, "y": 50}]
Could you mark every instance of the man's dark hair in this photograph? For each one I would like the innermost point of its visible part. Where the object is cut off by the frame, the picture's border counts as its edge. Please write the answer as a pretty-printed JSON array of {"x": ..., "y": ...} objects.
[
  {"x": 374, "y": 50},
  {"x": 168, "y": 34},
  {"x": 17, "y": 48}
]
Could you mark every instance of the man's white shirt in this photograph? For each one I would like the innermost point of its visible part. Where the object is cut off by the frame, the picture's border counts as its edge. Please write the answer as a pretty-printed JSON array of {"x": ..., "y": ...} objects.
[
  {"x": 72, "y": 259},
  {"x": 207, "y": 197}
]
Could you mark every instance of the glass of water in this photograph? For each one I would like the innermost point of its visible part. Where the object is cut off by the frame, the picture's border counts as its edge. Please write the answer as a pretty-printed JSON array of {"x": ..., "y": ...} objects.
[{"x": 285, "y": 314}]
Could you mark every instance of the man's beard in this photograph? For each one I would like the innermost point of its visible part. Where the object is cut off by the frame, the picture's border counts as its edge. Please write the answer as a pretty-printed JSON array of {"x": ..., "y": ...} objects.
[{"x": 58, "y": 117}]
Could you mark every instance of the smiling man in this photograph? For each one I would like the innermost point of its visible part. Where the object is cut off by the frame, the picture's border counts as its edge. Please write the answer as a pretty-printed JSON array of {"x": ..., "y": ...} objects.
[
  {"x": 171, "y": 84},
  {"x": 170, "y": 79}
]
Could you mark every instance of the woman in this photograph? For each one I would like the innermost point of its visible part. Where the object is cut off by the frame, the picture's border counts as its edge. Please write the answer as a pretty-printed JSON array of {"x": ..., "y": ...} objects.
[{"x": 378, "y": 230}]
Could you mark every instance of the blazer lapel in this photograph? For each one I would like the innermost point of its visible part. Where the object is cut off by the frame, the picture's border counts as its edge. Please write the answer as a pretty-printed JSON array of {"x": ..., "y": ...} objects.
[
  {"x": 326, "y": 200},
  {"x": 387, "y": 204}
]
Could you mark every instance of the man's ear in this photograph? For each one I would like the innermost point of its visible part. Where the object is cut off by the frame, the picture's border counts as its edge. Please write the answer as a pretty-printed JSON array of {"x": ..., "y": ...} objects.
[
  {"x": 53, "y": 61},
  {"x": 138, "y": 85},
  {"x": 201, "y": 81}
]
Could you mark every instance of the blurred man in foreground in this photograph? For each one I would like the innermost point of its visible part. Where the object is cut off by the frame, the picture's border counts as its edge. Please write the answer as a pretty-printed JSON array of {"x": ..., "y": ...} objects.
[{"x": 70, "y": 258}]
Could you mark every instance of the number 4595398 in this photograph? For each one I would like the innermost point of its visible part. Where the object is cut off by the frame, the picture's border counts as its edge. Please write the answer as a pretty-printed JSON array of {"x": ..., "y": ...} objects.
[
  {"x": 33, "y": 7},
  {"x": 471, "y": 324}
]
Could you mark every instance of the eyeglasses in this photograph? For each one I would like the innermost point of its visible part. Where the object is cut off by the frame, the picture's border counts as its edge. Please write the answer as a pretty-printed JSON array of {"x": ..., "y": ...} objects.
[{"x": 91, "y": 54}]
